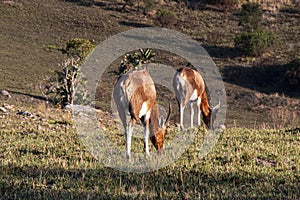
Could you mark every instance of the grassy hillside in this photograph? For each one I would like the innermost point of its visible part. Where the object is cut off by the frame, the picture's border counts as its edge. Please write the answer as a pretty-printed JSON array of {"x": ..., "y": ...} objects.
[{"x": 29, "y": 27}]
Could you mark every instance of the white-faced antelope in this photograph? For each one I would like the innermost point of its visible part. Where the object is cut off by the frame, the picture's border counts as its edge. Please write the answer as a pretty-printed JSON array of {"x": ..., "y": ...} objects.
[
  {"x": 135, "y": 93},
  {"x": 189, "y": 87}
]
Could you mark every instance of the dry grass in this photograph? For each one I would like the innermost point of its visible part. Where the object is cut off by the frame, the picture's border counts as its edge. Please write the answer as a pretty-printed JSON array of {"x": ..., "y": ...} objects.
[{"x": 41, "y": 157}]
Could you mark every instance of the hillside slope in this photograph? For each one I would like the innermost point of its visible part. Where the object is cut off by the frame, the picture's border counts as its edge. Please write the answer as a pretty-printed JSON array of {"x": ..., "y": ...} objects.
[{"x": 29, "y": 26}]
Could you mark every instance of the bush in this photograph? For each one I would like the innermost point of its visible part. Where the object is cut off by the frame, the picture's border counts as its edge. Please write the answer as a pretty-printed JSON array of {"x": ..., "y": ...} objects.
[
  {"x": 78, "y": 47},
  {"x": 68, "y": 83},
  {"x": 166, "y": 17},
  {"x": 135, "y": 60},
  {"x": 254, "y": 43},
  {"x": 254, "y": 40},
  {"x": 250, "y": 16}
]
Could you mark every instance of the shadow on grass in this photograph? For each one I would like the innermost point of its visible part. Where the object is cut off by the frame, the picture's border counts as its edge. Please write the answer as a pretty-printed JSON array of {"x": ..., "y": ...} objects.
[
  {"x": 134, "y": 24},
  {"x": 87, "y": 3},
  {"x": 217, "y": 6},
  {"x": 38, "y": 97},
  {"x": 265, "y": 79},
  {"x": 104, "y": 183},
  {"x": 113, "y": 6},
  {"x": 222, "y": 52}
]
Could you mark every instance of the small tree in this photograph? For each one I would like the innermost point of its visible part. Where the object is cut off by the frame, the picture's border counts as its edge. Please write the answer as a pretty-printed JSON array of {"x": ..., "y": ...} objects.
[
  {"x": 250, "y": 17},
  {"x": 68, "y": 83}
]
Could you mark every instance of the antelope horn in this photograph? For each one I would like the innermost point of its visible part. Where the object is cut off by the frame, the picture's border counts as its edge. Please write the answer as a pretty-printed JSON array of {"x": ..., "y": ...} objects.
[
  {"x": 217, "y": 107},
  {"x": 169, "y": 114}
]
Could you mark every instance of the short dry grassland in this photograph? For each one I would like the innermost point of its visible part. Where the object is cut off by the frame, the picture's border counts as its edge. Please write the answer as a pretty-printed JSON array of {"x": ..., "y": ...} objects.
[{"x": 41, "y": 157}]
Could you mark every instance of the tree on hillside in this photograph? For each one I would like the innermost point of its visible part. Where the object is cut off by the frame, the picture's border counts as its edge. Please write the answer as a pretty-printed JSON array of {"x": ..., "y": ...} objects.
[
  {"x": 254, "y": 40},
  {"x": 67, "y": 83}
]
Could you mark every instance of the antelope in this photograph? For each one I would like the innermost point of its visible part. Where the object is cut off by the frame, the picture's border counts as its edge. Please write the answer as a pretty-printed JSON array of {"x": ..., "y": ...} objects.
[
  {"x": 135, "y": 93},
  {"x": 189, "y": 87}
]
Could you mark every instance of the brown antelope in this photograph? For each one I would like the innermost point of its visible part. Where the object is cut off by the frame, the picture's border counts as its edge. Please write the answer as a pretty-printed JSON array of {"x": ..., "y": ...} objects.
[
  {"x": 189, "y": 87},
  {"x": 135, "y": 93}
]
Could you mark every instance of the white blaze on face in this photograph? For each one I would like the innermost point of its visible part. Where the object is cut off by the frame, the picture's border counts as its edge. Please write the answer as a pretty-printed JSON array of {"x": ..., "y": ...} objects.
[{"x": 145, "y": 111}]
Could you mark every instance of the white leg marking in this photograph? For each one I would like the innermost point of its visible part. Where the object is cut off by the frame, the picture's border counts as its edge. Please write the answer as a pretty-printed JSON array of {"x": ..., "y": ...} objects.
[
  {"x": 181, "y": 116},
  {"x": 199, "y": 111},
  {"x": 192, "y": 114},
  {"x": 128, "y": 138},
  {"x": 146, "y": 139}
]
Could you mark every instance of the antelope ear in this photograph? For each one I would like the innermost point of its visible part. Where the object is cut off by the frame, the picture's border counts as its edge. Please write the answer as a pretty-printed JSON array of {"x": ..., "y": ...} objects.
[{"x": 161, "y": 121}]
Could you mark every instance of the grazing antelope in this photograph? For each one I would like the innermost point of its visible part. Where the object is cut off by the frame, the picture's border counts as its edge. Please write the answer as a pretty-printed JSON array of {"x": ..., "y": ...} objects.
[
  {"x": 135, "y": 93},
  {"x": 189, "y": 87}
]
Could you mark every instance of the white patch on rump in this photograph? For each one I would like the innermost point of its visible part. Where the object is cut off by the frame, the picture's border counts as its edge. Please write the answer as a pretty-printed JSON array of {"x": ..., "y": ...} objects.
[
  {"x": 144, "y": 111},
  {"x": 194, "y": 96}
]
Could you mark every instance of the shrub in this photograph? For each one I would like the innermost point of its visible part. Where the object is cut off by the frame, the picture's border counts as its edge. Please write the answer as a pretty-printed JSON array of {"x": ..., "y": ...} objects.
[
  {"x": 255, "y": 43},
  {"x": 250, "y": 16},
  {"x": 254, "y": 40},
  {"x": 135, "y": 60},
  {"x": 68, "y": 83},
  {"x": 166, "y": 17},
  {"x": 78, "y": 47}
]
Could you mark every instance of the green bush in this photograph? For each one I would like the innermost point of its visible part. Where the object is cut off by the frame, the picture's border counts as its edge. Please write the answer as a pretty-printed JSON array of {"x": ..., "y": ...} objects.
[
  {"x": 167, "y": 17},
  {"x": 78, "y": 47},
  {"x": 255, "y": 43},
  {"x": 255, "y": 39},
  {"x": 250, "y": 16}
]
